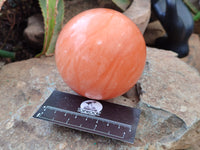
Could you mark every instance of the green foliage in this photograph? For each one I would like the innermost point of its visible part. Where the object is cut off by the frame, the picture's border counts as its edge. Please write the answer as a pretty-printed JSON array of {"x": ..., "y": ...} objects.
[
  {"x": 7, "y": 54},
  {"x": 193, "y": 9},
  {"x": 122, "y": 4},
  {"x": 53, "y": 14},
  {"x": 197, "y": 17}
]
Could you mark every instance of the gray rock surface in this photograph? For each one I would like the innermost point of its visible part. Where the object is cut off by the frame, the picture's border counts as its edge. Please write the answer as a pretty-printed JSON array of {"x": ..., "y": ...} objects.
[
  {"x": 172, "y": 86},
  {"x": 139, "y": 12},
  {"x": 169, "y": 103},
  {"x": 194, "y": 53},
  {"x": 1, "y": 64}
]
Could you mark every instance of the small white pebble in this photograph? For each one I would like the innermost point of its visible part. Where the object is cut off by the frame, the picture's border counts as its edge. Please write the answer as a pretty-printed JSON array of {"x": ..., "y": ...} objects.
[{"x": 183, "y": 109}]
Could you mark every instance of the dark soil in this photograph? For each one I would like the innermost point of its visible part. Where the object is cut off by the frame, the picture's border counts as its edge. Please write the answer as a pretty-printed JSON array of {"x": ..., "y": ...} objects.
[{"x": 13, "y": 21}]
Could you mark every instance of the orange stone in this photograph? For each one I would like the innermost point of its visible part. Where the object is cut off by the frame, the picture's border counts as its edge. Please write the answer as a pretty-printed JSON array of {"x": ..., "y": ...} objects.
[{"x": 100, "y": 53}]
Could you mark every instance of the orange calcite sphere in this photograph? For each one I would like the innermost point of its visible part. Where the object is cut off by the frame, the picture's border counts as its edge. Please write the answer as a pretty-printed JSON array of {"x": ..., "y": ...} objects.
[{"x": 100, "y": 53}]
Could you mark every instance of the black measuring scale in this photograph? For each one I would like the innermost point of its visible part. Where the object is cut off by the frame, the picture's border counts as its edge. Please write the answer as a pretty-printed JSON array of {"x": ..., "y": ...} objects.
[{"x": 97, "y": 117}]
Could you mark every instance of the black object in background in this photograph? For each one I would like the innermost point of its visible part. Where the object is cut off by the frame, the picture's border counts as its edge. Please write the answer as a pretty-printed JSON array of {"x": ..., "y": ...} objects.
[{"x": 177, "y": 22}]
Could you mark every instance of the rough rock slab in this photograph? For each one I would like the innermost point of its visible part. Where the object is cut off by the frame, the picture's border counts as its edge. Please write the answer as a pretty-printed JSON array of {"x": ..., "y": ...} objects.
[
  {"x": 172, "y": 86},
  {"x": 139, "y": 12},
  {"x": 25, "y": 85},
  {"x": 194, "y": 54},
  {"x": 1, "y": 64}
]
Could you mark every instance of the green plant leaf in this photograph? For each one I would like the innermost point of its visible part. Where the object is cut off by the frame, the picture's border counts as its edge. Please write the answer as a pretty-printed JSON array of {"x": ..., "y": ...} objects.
[
  {"x": 57, "y": 27},
  {"x": 53, "y": 13},
  {"x": 122, "y": 4},
  {"x": 7, "y": 54},
  {"x": 197, "y": 17}
]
